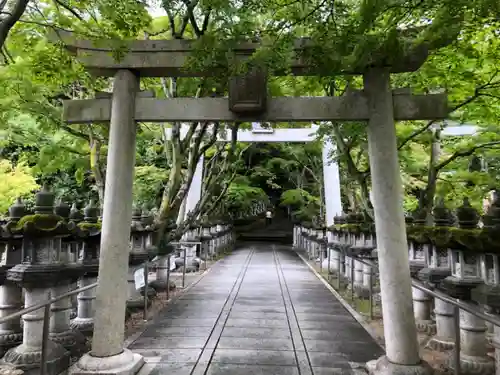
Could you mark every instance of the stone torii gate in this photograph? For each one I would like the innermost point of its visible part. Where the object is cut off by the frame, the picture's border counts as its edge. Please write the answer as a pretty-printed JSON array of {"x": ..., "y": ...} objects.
[{"x": 377, "y": 104}]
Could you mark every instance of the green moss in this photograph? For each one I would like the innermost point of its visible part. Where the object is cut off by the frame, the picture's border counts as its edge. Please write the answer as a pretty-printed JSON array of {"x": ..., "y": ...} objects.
[
  {"x": 89, "y": 226},
  {"x": 473, "y": 239},
  {"x": 44, "y": 222}
]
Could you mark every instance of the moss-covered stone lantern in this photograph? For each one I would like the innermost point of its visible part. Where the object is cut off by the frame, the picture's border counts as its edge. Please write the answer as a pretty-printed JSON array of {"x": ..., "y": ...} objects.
[
  {"x": 466, "y": 275},
  {"x": 40, "y": 271},
  {"x": 465, "y": 262},
  {"x": 437, "y": 255},
  {"x": 437, "y": 269}
]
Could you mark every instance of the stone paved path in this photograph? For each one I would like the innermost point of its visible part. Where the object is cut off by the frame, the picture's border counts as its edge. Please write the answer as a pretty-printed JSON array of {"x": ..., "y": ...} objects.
[{"x": 260, "y": 311}]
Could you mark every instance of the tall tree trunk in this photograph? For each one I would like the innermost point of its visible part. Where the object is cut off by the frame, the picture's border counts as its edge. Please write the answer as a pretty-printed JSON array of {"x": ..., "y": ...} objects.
[
  {"x": 432, "y": 175},
  {"x": 95, "y": 167}
]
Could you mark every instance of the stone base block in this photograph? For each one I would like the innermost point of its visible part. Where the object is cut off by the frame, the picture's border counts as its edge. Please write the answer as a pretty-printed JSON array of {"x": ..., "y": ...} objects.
[
  {"x": 28, "y": 360},
  {"x": 9, "y": 339},
  {"x": 361, "y": 291},
  {"x": 72, "y": 340},
  {"x": 125, "y": 363},
  {"x": 441, "y": 344},
  {"x": 382, "y": 366},
  {"x": 472, "y": 365},
  {"x": 136, "y": 304},
  {"x": 161, "y": 285}
]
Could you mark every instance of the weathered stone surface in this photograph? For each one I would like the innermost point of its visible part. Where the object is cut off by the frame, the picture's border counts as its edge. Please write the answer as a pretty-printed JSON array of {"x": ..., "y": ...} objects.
[
  {"x": 160, "y": 58},
  {"x": 352, "y": 107}
]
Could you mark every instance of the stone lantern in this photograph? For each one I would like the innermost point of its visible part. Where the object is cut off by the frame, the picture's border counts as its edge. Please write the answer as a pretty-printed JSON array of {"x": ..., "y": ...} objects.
[
  {"x": 214, "y": 246},
  {"x": 137, "y": 256},
  {"x": 437, "y": 256},
  {"x": 416, "y": 253},
  {"x": 363, "y": 247},
  {"x": 220, "y": 235},
  {"x": 334, "y": 248},
  {"x": 148, "y": 223},
  {"x": 10, "y": 293},
  {"x": 88, "y": 258},
  {"x": 465, "y": 276},
  {"x": 60, "y": 329},
  {"x": 164, "y": 262},
  {"x": 465, "y": 263},
  {"x": 189, "y": 261},
  {"x": 303, "y": 238},
  {"x": 69, "y": 245},
  {"x": 488, "y": 294},
  {"x": 313, "y": 242},
  {"x": 40, "y": 271},
  {"x": 75, "y": 245},
  {"x": 419, "y": 255},
  {"x": 437, "y": 269}
]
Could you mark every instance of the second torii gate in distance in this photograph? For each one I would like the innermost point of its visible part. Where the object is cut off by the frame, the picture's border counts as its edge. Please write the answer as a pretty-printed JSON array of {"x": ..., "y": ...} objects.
[{"x": 331, "y": 177}]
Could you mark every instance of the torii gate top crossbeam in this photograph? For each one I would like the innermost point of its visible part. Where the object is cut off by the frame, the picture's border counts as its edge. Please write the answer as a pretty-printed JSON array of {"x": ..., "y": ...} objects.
[{"x": 160, "y": 58}]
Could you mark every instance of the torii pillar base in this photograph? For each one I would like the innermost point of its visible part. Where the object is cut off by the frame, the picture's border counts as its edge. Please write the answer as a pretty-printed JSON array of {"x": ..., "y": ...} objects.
[
  {"x": 382, "y": 366},
  {"x": 125, "y": 363}
]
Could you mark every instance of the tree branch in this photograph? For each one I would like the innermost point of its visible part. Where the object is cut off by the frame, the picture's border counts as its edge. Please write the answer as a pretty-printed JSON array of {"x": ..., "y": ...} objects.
[
  {"x": 190, "y": 5},
  {"x": 8, "y": 22},
  {"x": 69, "y": 9},
  {"x": 469, "y": 152},
  {"x": 477, "y": 94}
]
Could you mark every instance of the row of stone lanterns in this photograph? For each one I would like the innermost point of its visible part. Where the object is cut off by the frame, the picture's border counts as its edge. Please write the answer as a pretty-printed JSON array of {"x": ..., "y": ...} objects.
[
  {"x": 47, "y": 268},
  {"x": 454, "y": 256},
  {"x": 54, "y": 250},
  {"x": 349, "y": 255}
]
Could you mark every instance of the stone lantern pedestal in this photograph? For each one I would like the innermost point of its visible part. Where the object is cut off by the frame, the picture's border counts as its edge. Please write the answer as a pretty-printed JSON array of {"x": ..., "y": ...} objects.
[
  {"x": 164, "y": 263},
  {"x": 11, "y": 333},
  {"x": 138, "y": 255},
  {"x": 10, "y": 297},
  {"x": 489, "y": 295},
  {"x": 419, "y": 256},
  {"x": 362, "y": 270},
  {"x": 213, "y": 242},
  {"x": 205, "y": 242},
  {"x": 135, "y": 300},
  {"x": 473, "y": 352},
  {"x": 88, "y": 258},
  {"x": 438, "y": 267},
  {"x": 336, "y": 254},
  {"x": 60, "y": 331},
  {"x": 422, "y": 303}
]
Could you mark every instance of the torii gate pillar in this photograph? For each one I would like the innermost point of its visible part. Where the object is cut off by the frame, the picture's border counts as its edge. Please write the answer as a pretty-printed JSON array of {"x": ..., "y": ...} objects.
[
  {"x": 108, "y": 355},
  {"x": 402, "y": 351},
  {"x": 331, "y": 184}
]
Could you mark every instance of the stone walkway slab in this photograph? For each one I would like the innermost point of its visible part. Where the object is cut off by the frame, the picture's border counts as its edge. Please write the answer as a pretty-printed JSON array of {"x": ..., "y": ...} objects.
[{"x": 258, "y": 311}]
